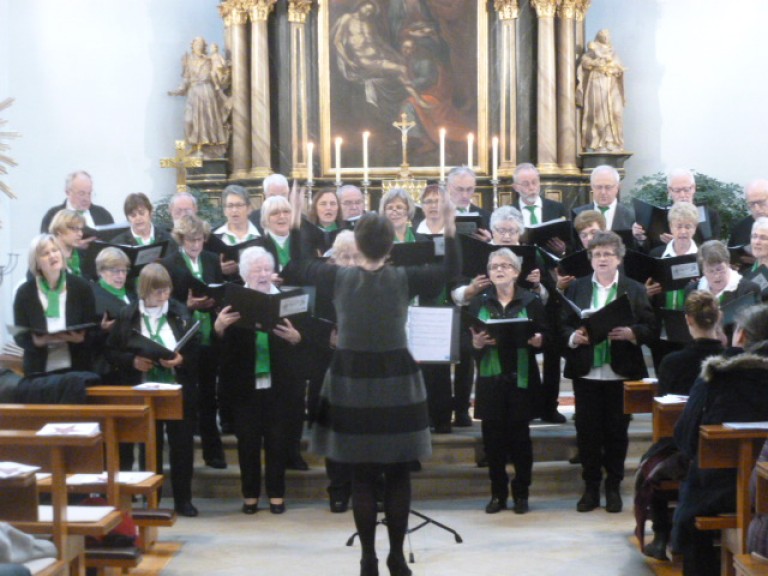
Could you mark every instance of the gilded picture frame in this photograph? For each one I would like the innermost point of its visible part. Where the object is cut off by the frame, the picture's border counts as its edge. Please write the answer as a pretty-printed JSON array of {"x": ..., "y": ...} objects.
[{"x": 380, "y": 58}]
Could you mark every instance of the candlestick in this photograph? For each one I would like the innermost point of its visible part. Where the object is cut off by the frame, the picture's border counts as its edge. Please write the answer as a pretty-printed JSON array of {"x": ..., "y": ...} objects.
[
  {"x": 310, "y": 149},
  {"x": 495, "y": 157},
  {"x": 470, "y": 148},
  {"x": 338, "y": 161},
  {"x": 442, "y": 154},
  {"x": 366, "y": 134}
]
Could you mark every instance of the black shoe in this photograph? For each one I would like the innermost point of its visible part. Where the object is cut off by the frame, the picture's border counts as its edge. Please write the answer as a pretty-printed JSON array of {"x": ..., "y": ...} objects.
[
  {"x": 521, "y": 506},
  {"x": 218, "y": 463},
  {"x": 554, "y": 418},
  {"x": 297, "y": 463},
  {"x": 186, "y": 509},
  {"x": 369, "y": 566},
  {"x": 462, "y": 420},
  {"x": 398, "y": 566},
  {"x": 575, "y": 459},
  {"x": 613, "y": 502},
  {"x": 339, "y": 506},
  {"x": 496, "y": 505},
  {"x": 658, "y": 547},
  {"x": 588, "y": 501},
  {"x": 277, "y": 508},
  {"x": 444, "y": 428},
  {"x": 250, "y": 508}
]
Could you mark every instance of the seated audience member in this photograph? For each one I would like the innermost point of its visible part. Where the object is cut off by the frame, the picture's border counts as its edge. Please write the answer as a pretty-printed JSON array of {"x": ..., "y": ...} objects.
[
  {"x": 63, "y": 388},
  {"x": 188, "y": 263},
  {"x": 598, "y": 369},
  {"x": 138, "y": 210},
  {"x": 676, "y": 375},
  {"x": 731, "y": 388},
  {"x": 52, "y": 300},
  {"x": 67, "y": 228},
  {"x": 507, "y": 378},
  {"x": 158, "y": 317},
  {"x": 757, "y": 535},
  {"x": 259, "y": 371},
  {"x": 79, "y": 189}
]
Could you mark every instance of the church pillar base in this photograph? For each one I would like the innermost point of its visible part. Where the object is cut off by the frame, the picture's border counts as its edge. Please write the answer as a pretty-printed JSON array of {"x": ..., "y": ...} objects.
[
  {"x": 213, "y": 169},
  {"x": 591, "y": 160}
]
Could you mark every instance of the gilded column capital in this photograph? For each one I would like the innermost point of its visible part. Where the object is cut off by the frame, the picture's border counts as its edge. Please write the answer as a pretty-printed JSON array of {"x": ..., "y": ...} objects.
[
  {"x": 507, "y": 9},
  {"x": 582, "y": 6},
  {"x": 298, "y": 10},
  {"x": 234, "y": 11},
  {"x": 260, "y": 9},
  {"x": 567, "y": 8},
  {"x": 545, "y": 8}
]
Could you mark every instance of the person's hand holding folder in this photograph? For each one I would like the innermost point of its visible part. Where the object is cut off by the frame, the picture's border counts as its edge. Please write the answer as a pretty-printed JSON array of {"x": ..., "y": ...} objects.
[
  {"x": 622, "y": 333},
  {"x": 225, "y": 319},
  {"x": 228, "y": 267},
  {"x": 199, "y": 302}
]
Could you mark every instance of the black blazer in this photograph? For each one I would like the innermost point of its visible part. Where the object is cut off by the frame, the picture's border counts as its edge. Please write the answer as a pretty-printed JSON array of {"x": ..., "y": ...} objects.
[
  {"x": 161, "y": 234},
  {"x": 112, "y": 305},
  {"x": 626, "y": 358},
  {"x": 622, "y": 220},
  {"x": 678, "y": 370},
  {"x": 181, "y": 277},
  {"x": 99, "y": 214},
  {"x": 741, "y": 233},
  {"x": 28, "y": 312},
  {"x": 550, "y": 209}
]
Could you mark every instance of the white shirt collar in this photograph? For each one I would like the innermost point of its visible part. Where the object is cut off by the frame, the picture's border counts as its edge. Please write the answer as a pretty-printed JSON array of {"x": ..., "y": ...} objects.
[
  {"x": 669, "y": 251},
  {"x": 733, "y": 282},
  {"x": 156, "y": 312},
  {"x": 225, "y": 230}
]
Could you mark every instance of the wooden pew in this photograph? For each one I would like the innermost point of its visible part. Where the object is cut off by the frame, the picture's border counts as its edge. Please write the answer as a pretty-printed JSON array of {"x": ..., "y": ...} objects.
[
  {"x": 665, "y": 416},
  {"x": 638, "y": 396},
  {"x": 748, "y": 564},
  {"x": 721, "y": 447},
  {"x": 59, "y": 455}
]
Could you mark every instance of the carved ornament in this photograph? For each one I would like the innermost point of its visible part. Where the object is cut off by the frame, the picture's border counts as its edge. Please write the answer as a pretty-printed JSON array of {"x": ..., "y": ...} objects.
[
  {"x": 234, "y": 11},
  {"x": 507, "y": 9},
  {"x": 260, "y": 9},
  {"x": 298, "y": 10},
  {"x": 545, "y": 8},
  {"x": 567, "y": 8},
  {"x": 582, "y": 6}
]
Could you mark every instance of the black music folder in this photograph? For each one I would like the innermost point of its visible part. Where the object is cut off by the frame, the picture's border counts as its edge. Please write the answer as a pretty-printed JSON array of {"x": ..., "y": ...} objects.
[
  {"x": 148, "y": 348},
  {"x": 417, "y": 253},
  {"x": 675, "y": 328},
  {"x": 599, "y": 323},
  {"x": 577, "y": 264},
  {"x": 509, "y": 333},
  {"x": 217, "y": 245},
  {"x": 216, "y": 290},
  {"x": 741, "y": 253},
  {"x": 106, "y": 232},
  {"x": 475, "y": 253},
  {"x": 259, "y": 311},
  {"x": 468, "y": 222},
  {"x": 42, "y": 330},
  {"x": 138, "y": 255},
  {"x": 672, "y": 273},
  {"x": 540, "y": 234}
]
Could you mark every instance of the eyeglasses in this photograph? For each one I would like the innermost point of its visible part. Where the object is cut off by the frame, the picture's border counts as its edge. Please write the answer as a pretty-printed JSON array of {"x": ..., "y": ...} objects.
[
  {"x": 237, "y": 206},
  {"x": 76, "y": 228},
  {"x": 604, "y": 187},
  {"x": 431, "y": 202},
  {"x": 463, "y": 189},
  {"x": 587, "y": 235},
  {"x": 598, "y": 255},
  {"x": 757, "y": 203},
  {"x": 395, "y": 208},
  {"x": 682, "y": 189},
  {"x": 527, "y": 183},
  {"x": 117, "y": 271},
  {"x": 501, "y": 266},
  {"x": 678, "y": 226},
  {"x": 761, "y": 237},
  {"x": 507, "y": 231}
]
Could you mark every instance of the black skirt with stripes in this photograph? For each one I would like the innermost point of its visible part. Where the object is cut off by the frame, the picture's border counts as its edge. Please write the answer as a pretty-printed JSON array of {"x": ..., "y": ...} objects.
[{"x": 373, "y": 408}]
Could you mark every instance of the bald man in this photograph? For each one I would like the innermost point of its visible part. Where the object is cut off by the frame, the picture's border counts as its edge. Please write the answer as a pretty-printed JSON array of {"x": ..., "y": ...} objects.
[{"x": 756, "y": 198}]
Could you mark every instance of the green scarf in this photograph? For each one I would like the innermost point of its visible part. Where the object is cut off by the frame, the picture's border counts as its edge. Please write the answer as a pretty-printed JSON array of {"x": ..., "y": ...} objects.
[
  {"x": 532, "y": 210},
  {"x": 263, "y": 366},
  {"x": 140, "y": 240},
  {"x": 330, "y": 228},
  {"x": 602, "y": 351},
  {"x": 233, "y": 241},
  {"x": 409, "y": 237},
  {"x": 73, "y": 263},
  {"x": 490, "y": 364},
  {"x": 675, "y": 299},
  {"x": 117, "y": 292},
  {"x": 53, "y": 295},
  {"x": 283, "y": 252},
  {"x": 158, "y": 373},
  {"x": 206, "y": 327}
]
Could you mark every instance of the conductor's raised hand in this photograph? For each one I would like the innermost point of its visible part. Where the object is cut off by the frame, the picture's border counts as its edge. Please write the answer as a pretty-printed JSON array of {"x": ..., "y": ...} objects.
[
  {"x": 296, "y": 198},
  {"x": 448, "y": 209}
]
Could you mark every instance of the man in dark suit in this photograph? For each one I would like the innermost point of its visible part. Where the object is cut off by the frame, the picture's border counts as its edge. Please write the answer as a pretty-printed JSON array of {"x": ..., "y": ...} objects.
[
  {"x": 273, "y": 185},
  {"x": 79, "y": 189},
  {"x": 536, "y": 210},
  {"x": 756, "y": 198},
  {"x": 605, "y": 182}
]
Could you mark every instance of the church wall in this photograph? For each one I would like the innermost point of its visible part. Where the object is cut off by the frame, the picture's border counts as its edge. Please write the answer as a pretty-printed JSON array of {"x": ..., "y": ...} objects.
[{"x": 695, "y": 82}]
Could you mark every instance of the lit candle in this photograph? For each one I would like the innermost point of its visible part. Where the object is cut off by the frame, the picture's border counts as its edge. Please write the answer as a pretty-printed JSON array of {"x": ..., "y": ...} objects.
[
  {"x": 495, "y": 156},
  {"x": 338, "y": 159},
  {"x": 310, "y": 148},
  {"x": 470, "y": 148},
  {"x": 442, "y": 154},
  {"x": 366, "y": 134}
]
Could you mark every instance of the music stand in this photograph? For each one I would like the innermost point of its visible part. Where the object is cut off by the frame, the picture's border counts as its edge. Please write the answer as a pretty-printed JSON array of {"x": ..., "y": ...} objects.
[{"x": 424, "y": 521}]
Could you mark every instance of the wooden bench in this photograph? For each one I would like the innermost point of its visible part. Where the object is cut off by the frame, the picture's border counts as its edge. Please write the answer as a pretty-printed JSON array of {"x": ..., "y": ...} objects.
[
  {"x": 638, "y": 396},
  {"x": 719, "y": 448},
  {"x": 665, "y": 416},
  {"x": 748, "y": 565},
  {"x": 58, "y": 455}
]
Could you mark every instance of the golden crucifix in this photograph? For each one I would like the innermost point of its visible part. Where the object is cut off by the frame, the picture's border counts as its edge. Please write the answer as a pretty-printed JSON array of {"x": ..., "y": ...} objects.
[
  {"x": 404, "y": 125},
  {"x": 181, "y": 162}
]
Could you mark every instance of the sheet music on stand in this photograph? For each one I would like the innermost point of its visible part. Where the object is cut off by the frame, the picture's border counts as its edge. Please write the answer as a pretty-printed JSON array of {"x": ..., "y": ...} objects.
[{"x": 433, "y": 334}]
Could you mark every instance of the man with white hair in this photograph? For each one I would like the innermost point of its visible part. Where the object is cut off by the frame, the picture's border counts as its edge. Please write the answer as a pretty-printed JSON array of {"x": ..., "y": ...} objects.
[
  {"x": 756, "y": 199},
  {"x": 79, "y": 190},
  {"x": 273, "y": 185},
  {"x": 352, "y": 202},
  {"x": 605, "y": 182},
  {"x": 182, "y": 204}
]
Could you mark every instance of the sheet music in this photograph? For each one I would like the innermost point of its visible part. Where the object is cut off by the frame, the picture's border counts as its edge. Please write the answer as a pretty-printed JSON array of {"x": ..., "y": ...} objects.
[
  {"x": 14, "y": 469},
  {"x": 149, "y": 255},
  {"x": 429, "y": 332},
  {"x": 689, "y": 270},
  {"x": 69, "y": 429},
  {"x": 746, "y": 425},
  {"x": 157, "y": 386},
  {"x": 122, "y": 478},
  {"x": 294, "y": 305},
  {"x": 672, "y": 399},
  {"x": 75, "y": 513}
]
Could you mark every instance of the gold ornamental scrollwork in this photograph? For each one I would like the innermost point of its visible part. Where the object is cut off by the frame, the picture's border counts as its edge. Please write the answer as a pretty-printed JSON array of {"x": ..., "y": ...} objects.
[
  {"x": 545, "y": 8},
  {"x": 298, "y": 10},
  {"x": 260, "y": 9},
  {"x": 234, "y": 12},
  {"x": 567, "y": 8},
  {"x": 582, "y": 6},
  {"x": 507, "y": 9}
]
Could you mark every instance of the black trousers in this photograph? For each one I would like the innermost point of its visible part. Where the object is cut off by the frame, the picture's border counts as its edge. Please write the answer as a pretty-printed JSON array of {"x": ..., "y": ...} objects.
[
  {"x": 504, "y": 440},
  {"x": 437, "y": 380},
  {"x": 463, "y": 378},
  {"x": 259, "y": 425},
  {"x": 208, "y": 403},
  {"x": 601, "y": 430},
  {"x": 546, "y": 403},
  {"x": 181, "y": 450}
]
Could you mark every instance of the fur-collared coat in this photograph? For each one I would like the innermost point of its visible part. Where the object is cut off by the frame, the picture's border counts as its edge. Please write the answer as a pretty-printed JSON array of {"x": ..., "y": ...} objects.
[{"x": 732, "y": 388}]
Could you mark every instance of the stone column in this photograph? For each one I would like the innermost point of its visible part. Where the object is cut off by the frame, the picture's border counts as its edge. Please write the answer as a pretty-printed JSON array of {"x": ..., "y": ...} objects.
[
  {"x": 508, "y": 11},
  {"x": 235, "y": 19},
  {"x": 261, "y": 134},
  {"x": 546, "y": 110},
  {"x": 581, "y": 12},
  {"x": 566, "y": 88},
  {"x": 297, "y": 16}
]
